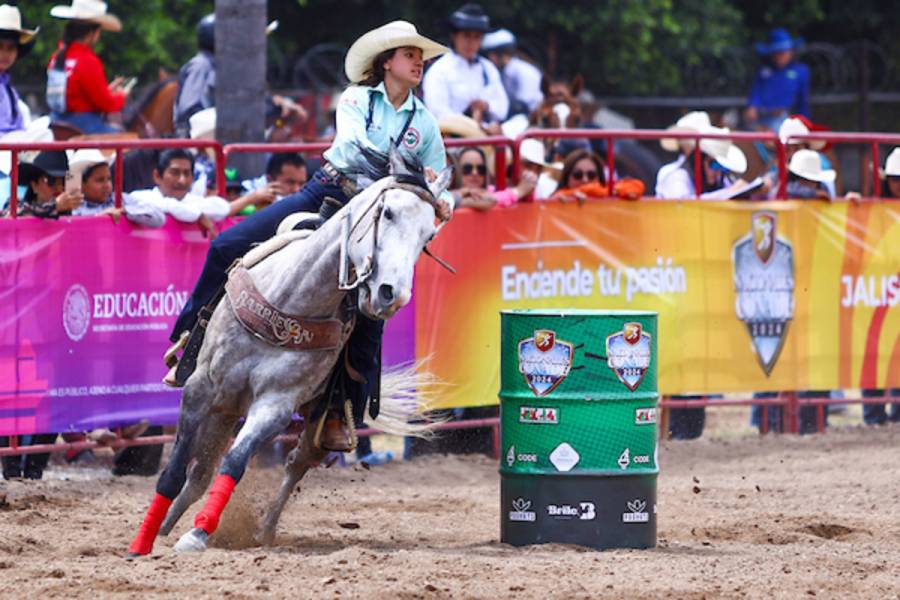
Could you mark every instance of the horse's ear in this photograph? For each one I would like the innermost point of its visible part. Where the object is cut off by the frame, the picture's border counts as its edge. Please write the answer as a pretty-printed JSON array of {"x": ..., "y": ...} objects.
[
  {"x": 576, "y": 85},
  {"x": 442, "y": 182},
  {"x": 545, "y": 85},
  {"x": 396, "y": 164}
]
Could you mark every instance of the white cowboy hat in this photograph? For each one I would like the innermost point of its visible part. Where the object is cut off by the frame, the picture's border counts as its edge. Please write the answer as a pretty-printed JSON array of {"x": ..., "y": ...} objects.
[
  {"x": 691, "y": 122},
  {"x": 723, "y": 151},
  {"x": 88, "y": 10},
  {"x": 808, "y": 165},
  {"x": 791, "y": 127},
  {"x": 892, "y": 164},
  {"x": 11, "y": 20},
  {"x": 397, "y": 34},
  {"x": 203, "y": 124},
  {"x": 532, "y": 150},
  {"x": 37, "y": 132},
  {"x": 81, "y": 160}
]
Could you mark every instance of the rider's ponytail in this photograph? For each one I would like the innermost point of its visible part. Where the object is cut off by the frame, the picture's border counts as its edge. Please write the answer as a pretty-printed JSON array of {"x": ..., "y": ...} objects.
[{"x": 74, "y": 31}]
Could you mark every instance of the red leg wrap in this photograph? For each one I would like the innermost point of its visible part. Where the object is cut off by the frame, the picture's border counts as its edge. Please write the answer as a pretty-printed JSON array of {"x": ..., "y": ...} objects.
[
  {"x": 143, "y": 541},
  {"x": 208, "y": 518}
]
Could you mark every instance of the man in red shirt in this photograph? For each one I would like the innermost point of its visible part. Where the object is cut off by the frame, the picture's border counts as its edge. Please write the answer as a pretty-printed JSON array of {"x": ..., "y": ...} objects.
[{"x": 77, "y": 89}]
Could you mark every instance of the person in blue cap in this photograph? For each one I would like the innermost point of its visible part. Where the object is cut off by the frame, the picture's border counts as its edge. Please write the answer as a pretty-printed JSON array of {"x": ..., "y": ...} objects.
[
  {"x": 521, "y": 79},
  {"x": 781, "y": 85}
]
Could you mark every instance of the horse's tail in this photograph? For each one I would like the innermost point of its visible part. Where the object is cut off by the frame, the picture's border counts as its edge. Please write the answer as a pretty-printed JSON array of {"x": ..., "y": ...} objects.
[{"x": 408, "y": 395}]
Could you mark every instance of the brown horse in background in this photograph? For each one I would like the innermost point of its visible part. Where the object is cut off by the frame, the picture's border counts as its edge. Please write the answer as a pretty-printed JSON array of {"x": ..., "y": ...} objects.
[{"x": 151, "y": 115}]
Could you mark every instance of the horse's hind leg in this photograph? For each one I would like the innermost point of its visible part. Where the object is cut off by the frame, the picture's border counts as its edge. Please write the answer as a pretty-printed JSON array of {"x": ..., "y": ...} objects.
[
  {"x": 171, "y": 480},
  {"x": 209, "y": 445},
  {"x": 268, "y": 416},
  {"x": 299, "y": 461}
]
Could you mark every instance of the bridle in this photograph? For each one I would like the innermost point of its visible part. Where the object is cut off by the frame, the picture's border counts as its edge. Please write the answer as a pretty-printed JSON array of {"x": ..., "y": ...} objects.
[{"x": 376, "y": 207}]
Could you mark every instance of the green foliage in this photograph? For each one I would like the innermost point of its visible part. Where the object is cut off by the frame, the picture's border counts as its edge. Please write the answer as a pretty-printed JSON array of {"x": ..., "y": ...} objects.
[{"x": 155, "y": 33}]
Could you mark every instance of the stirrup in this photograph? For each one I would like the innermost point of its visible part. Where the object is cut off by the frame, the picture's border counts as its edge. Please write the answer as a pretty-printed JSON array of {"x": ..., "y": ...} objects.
[
  {"x": 351, "y": 431},
  {"x": 171, "y": 355}
]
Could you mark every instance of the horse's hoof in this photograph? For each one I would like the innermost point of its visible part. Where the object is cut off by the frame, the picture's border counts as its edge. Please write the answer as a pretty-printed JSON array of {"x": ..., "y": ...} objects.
[{"x": 193, "y": 541}]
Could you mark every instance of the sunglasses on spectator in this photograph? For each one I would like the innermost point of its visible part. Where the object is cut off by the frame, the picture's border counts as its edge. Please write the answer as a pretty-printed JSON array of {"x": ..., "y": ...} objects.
[
  {"x": 578, "y": 175},
  {"x": 469, "y": 168}
]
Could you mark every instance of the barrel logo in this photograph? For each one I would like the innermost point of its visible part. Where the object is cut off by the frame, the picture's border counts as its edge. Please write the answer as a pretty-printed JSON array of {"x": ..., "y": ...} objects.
[
  {"x": 628, "y": 354},
  {"x": 544, "y": 361}
]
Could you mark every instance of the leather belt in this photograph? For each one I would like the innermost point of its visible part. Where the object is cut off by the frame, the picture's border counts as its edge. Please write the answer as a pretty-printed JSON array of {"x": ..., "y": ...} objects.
[{"x": 341, "y": 180}]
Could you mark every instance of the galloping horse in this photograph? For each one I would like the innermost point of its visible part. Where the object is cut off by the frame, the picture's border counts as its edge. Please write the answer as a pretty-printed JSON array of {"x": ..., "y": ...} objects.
[{"x": 371, "y": 246}]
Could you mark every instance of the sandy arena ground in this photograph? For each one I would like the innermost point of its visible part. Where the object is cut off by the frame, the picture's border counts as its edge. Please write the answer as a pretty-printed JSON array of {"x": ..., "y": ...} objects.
[{"x": 739, "y": 516}]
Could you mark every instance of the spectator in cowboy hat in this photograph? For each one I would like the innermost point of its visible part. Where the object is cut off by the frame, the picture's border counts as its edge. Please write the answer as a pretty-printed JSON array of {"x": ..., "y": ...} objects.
[
  {"x": 793, "y": 126},
  {"x": 463, "y": 82},
  {"x": 77, "y": 90},
  {"x": 15, "y": 42},
  {"x": 723, "y": 163},
  {"x": 781, "y": 85},
  {"x": 521, "y": 79},
  {"x": 670, "y": 181},
  {"x": 44, "y": 179},
  {"x": 806, "y": 178}
]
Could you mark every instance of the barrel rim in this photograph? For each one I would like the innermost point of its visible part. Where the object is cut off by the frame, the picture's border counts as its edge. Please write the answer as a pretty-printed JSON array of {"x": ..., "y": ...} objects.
[{"x": 578, "y": 312}]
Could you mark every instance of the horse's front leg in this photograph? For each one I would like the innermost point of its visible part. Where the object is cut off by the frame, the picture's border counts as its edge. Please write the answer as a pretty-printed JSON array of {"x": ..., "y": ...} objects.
[
  {"x": 300, "y": 460},
  {"x": 268, "y": 416}
]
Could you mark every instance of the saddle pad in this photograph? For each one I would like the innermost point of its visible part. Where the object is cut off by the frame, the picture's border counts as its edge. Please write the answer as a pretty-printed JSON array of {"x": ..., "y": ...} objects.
[{"x": 275, "y": 327}]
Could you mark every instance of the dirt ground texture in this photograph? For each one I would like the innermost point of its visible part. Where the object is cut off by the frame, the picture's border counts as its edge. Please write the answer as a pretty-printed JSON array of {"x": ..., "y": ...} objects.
[{"x": 739, "y": 517}]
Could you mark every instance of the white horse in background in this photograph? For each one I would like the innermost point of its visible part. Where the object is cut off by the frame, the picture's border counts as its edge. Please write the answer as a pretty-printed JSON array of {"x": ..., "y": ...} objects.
[{"x": 372, "y": 244}]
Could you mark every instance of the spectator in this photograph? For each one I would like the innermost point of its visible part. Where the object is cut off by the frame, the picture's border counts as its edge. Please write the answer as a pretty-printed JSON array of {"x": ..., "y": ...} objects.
[
  {"x": 37, "y": 131},
  {"x": 807, "y": 180},
  {"x": 30, "y": 466},
  {"x": 462, "y": 82},
  {"x": 722, "y": 165},
  {"x": 92, "y": 168},
  {"x": 670, "y": 179},
  {"x": 520, "y": 78},
  {"x": 780, "y": 86},
  {"x": 44, "y": 180},
  {"x": 77, "y": 90},
  {"x": 174, "y": 175},
  {"x": 534, "y": 161},
  {"x": 472, "y": 189},
  {"x": 15, "y": 42},
  {"x": 793, "y": 126},
  {"x": 197, "y": 78},
  {"x": 286, "y": 174},
  {"x": 584, "y": 176}
]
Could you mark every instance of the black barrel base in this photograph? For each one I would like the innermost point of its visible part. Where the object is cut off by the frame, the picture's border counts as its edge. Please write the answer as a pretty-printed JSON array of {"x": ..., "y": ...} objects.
[{"x": 596, "y": 511}]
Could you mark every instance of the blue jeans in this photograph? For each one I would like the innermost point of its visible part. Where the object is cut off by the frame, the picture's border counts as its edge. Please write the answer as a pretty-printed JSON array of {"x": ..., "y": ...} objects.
[
  {"x": 87, "y": 122},
  {"x": 876, "y": 414}
]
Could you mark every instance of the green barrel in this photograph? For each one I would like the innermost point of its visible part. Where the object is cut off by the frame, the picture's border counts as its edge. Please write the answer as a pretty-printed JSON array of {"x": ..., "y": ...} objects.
[{"x": 578, "y": 409}]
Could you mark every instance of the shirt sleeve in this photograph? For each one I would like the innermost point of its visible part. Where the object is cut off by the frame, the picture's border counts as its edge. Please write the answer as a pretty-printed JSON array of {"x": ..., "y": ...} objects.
[
  {"x": 676, "y": 186},
  {"x": 142, "y": 213},
  {"x": 350, "y": 119},
  {"x": 214, "y": 207},
  {"x": 433, "y": 154},
  {"x": 94, "y": 87},
  {"x": 494, "y": 93},
  {"x": 801, "y": 103},
  {"x": 193, "y": 96},
  {"x": 436, "y": 91},
  {"x": 530, "y": 84},
  {"x": 755, "y": 98}
]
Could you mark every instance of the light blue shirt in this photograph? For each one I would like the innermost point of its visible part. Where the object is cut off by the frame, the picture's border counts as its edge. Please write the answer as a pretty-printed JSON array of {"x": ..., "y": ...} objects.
[{"x": 422, "y": 138}]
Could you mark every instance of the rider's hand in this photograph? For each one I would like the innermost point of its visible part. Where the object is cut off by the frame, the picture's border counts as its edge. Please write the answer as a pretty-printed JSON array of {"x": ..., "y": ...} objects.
[{"x": 69, "y": 201}]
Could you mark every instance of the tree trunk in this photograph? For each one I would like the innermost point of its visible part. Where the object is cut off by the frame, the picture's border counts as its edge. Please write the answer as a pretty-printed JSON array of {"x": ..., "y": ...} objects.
[{"x": 241, "y": 78}]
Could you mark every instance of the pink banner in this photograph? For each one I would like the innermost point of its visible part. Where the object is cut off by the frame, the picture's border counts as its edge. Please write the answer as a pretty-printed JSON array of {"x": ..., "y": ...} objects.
[{"x": 88, "y": 306}]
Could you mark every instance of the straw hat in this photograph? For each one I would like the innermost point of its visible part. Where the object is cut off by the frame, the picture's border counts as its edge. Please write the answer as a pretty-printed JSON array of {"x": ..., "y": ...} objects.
[
  {"x": 892, "y": 164},
  {"x": 93, "y": 11},
  {"x": 85, "y": 158},
  {"x": 11, "y": 20},
  {"x": 808, "y": 165},
  {"x": 203, "y": 124},
  {"x": 691, "y": 122},
  {"x": 38, "y": 132},
  {"x": 460, "y": 126},
  {"x": 397, "y": 34},
  {"x": 793, "y": 126},
  {"x": 723, "y": 151}
]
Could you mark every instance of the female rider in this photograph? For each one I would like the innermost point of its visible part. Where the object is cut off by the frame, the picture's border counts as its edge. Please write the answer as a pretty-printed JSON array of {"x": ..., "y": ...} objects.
[{"x": 384, "y": 66}]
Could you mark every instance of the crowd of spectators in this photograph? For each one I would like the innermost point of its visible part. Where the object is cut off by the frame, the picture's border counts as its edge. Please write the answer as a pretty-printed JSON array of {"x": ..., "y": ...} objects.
[{"x": 482, "y": 87}]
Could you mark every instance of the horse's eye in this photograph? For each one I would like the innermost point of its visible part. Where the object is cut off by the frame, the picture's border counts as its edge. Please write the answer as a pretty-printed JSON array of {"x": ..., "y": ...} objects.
[{"x": 388, "y": 214}]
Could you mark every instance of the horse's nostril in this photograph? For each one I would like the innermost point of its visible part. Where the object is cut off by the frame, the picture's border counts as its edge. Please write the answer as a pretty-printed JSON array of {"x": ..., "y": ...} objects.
[{"x": 386, "y": 293}]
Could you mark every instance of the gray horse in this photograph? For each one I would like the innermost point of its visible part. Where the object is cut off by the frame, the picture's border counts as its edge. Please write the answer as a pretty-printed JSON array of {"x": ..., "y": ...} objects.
[{"x": 373, "y": 243}]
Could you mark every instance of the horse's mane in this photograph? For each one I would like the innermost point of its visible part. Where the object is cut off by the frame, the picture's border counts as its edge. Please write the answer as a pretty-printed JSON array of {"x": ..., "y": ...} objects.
[{"x": 369, "y": 165}]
